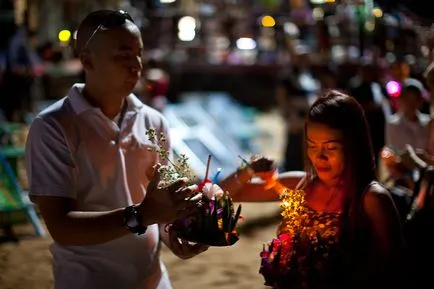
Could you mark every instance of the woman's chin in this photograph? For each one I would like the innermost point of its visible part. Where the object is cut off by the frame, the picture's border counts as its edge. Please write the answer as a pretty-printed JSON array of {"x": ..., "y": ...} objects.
[{"x": 327, "y": 177}]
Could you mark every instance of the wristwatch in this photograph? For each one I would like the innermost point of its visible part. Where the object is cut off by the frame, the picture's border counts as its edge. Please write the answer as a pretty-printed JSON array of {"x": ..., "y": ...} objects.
[{"x": 133, "y": 221}]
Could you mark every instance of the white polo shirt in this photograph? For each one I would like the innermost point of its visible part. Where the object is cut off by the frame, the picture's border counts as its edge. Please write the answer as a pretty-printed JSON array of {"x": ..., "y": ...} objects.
[
  {"x": 75, "y": 151},
  {"x": 400, "y": 131}
]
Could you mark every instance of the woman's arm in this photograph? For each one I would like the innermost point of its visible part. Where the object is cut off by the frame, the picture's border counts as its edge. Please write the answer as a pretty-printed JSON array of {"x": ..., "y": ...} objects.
[{"x": 244, "y": 189}]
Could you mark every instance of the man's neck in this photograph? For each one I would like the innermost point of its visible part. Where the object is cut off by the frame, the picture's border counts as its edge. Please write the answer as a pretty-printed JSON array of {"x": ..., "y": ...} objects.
[
  {"x": 109, "y": 104},
  {"x": 411, "y": 116}
]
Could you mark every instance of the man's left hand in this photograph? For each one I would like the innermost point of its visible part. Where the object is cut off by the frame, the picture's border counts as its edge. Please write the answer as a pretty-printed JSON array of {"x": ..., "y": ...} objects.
[{"x": 182, "y": 248}]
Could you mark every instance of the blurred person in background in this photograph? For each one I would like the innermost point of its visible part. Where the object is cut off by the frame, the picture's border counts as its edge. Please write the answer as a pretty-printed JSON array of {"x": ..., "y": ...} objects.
[
  {"x": 296, "y": 88},
  {"x": 328, "y": 79},
  {"x": 429, "y": 82},
  {"x": 21, "y": 67},
  {"x": 399, "y": 71},
  {"x": 364, "y": 87},
  {"x": 408, "y": 126}
]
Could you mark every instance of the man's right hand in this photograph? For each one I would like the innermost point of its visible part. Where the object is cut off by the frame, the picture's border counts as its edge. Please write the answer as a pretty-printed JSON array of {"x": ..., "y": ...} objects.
[{"x": 166, "y": 204}]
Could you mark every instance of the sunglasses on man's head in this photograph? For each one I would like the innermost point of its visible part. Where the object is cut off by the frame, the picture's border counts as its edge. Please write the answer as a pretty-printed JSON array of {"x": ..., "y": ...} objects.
[{"x": 113, "y": 19}]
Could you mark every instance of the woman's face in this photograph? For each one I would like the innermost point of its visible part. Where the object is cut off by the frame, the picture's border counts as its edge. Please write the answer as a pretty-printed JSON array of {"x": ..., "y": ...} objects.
[{"x": 325, "y": 151}]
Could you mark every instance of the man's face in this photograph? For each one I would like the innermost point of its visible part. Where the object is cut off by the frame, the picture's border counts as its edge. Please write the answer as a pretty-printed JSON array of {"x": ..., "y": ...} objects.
[
  {"x": 410, "y": 101},
  {"x": 116, "y": 60}
]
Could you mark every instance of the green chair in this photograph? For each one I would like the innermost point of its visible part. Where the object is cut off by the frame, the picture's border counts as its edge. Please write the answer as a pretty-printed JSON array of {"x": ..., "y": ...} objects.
[
  {"x": 12, "y": 142},
  {"x": 14, "y": 201}
]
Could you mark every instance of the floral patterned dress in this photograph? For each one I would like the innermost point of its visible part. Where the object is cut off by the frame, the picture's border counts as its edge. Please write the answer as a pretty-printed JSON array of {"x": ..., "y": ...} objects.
[{"x": 303, "y": 255}]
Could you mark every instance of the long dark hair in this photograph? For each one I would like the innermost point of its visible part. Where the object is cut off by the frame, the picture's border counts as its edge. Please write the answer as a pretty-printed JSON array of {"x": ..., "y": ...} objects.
[{"x": 343, "y": 113}]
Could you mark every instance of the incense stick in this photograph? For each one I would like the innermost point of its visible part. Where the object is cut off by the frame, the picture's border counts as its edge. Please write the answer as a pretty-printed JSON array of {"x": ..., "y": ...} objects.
[
  {"x": 207, "y": 168},
  {"x": 244, "y": 161}
]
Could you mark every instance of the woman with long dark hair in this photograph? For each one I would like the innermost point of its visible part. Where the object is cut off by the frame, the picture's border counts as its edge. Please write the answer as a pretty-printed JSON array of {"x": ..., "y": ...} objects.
[{"x": 342, "y": 196}]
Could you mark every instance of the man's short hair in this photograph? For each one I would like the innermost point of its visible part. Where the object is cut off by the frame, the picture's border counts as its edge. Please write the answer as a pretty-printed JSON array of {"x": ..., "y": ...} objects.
[
  {"x": 413, "y": 85},
  {"x": 88, "y": 27}
]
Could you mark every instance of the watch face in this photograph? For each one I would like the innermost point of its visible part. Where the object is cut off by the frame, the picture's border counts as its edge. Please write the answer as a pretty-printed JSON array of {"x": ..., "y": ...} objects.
[
  {"x": 131, "y": 219},
  {"x": 132, "y": 222}
]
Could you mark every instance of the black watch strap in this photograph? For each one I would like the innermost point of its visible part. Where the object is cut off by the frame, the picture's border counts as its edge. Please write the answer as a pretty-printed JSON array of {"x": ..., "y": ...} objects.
[{"x": 133, "y": 221}]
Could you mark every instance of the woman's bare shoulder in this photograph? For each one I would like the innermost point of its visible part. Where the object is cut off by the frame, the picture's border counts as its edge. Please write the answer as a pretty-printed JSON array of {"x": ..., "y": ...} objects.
[{"x": 377, "y": 200}]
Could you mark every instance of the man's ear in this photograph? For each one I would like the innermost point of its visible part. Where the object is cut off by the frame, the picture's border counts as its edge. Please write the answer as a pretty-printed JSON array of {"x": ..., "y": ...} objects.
[{"x": 86, "y": 60}]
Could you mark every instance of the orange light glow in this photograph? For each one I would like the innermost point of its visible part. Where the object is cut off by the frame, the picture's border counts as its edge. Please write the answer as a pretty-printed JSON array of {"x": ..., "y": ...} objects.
[{"x": 268, "y": 21}]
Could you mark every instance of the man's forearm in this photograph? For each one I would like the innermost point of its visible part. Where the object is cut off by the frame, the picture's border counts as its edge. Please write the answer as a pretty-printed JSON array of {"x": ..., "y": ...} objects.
[
  {"x": 421, "y": 159},
  {"x": 427, "y": 158},
  {"x": 91, "y": 228},
  {"x": 69, "y": 226}
]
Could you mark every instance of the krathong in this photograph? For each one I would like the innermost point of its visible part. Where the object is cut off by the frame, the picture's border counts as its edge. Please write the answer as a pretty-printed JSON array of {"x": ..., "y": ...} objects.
[
  {"x": 298, "y": 252},
  {"x": 214, "y": 223}
]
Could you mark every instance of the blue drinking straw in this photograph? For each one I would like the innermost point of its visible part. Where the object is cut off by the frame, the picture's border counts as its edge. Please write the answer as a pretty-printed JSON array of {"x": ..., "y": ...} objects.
[{"x": 216, "y": 177}]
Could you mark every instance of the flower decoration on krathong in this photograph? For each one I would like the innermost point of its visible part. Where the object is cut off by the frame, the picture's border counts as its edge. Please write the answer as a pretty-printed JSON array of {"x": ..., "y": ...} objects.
[
  {"x": 174, "y": 169},
  {"x": 292, "y": 204},
  {"x": 298, "y": 250},
  {"x": 214, "y": 223}
]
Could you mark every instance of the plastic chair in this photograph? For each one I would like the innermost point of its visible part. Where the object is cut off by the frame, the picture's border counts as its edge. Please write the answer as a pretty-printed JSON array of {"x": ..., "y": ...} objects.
[{"x": 14, "y": 200}]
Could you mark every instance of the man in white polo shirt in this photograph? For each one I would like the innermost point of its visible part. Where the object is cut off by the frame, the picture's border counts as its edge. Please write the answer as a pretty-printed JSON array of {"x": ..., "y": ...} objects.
[
  {"x": 409, "y": 126},
  {"x": 91, "y": 173}
]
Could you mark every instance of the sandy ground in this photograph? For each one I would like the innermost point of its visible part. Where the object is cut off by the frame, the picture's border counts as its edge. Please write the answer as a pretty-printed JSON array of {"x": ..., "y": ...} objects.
[{"x": 27, "y": 265}]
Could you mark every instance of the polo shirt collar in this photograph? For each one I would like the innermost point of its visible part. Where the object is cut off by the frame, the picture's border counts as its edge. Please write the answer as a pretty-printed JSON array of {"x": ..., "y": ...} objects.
[{"x": 80, "y": 104}]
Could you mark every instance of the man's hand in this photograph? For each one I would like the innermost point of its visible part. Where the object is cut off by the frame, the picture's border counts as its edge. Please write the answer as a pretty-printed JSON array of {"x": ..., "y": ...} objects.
[
  {"x": 264, "y": 167},
  {"x": 167, "y": 204},
  {"x": 182, "y": 248}
]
